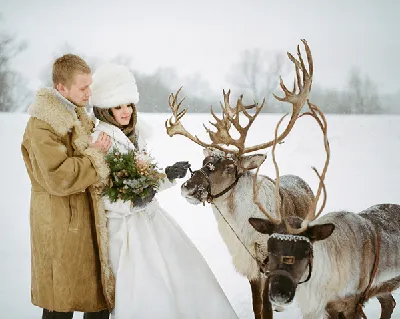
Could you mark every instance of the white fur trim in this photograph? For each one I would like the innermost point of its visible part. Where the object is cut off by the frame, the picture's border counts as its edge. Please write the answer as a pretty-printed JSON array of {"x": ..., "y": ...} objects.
[
  {"x": 100, "y": 165},
  {"x": 143, "y": 128},
  {"x": 289, "y": 237},
  {"x": 113, "y": 85}
]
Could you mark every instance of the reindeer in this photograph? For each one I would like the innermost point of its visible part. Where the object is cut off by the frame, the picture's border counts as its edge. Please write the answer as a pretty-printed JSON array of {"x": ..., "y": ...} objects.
[
  {"x": 226, "y": 180},
  {"x": 335, "y": 263}
]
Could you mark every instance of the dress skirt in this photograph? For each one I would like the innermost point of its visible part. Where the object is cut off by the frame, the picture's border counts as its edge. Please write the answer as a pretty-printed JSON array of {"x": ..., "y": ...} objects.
[{"x": 159, "y": 272}]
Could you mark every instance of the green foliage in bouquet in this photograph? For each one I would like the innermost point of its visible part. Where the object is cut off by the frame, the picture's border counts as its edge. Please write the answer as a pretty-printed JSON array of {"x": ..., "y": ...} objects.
[{"x": 133, "y": 174}]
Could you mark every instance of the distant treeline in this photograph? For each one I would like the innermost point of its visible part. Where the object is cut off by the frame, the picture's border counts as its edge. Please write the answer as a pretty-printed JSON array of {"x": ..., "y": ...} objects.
[{"x": 255, "y": 75}]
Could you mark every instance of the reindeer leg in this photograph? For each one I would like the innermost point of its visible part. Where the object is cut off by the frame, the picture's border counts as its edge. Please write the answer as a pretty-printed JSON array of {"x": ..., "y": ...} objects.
[
  {"x": 388, "y": 304},
  {"x": 346, "y": 308},
  {"x": 334, "y": 310},
  {"x": 267, "y": 307},
  {"x": 256, "y": 296},
  {"x": 333, "y": 314},
  {"x": 351, "y": 311}
]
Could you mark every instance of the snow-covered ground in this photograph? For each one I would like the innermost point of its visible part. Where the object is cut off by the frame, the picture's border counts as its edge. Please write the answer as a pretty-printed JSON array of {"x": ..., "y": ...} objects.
[{"x": 364, "y": 171}]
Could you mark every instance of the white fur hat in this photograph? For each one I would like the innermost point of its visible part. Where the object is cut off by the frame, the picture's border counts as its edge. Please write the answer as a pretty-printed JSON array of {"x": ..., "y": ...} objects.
[{"x": 113, "y": 85}]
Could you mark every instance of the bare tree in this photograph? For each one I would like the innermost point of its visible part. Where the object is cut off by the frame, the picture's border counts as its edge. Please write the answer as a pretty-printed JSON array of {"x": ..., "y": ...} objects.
[
  {"x": 359, "y": 97},
  {"x": 13, "y": 87},
  {"x": 256, "y": 73},
  {"x": 331, "y": 100},
  {"x": 363, "y": 94},
  {"x": 45, "y": 74},
  {"x": 154, "y": 88}
]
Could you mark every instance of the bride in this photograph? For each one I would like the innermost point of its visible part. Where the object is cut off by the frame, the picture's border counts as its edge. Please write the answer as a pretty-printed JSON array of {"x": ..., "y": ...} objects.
[{"x": 159, "y": 272}]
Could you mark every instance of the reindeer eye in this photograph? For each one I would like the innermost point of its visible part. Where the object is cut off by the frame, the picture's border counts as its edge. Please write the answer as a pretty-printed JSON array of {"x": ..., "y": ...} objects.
[{"x": 230, "y": 168}]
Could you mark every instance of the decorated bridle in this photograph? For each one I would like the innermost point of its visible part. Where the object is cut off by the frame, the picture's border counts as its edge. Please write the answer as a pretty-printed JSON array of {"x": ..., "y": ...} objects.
[
  {"x": 207, "y": 169},
  {"x": 290, "y": 260}
]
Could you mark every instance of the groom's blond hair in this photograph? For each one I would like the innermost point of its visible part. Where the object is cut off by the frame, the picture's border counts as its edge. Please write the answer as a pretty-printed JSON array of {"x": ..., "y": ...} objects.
[{"x": 66, "y": 67}]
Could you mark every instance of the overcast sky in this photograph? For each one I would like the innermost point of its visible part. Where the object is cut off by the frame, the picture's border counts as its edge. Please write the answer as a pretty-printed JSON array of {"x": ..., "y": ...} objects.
[{"x": 207, "y": 36}]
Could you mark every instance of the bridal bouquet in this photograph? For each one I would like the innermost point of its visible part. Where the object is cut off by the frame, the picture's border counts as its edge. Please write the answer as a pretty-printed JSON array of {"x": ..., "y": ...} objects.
[{"x": 133, "y": 174}]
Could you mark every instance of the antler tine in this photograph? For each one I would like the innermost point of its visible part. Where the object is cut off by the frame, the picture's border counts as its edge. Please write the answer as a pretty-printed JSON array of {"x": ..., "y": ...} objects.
[
  {"x": 298, "y": 66},
  {"x": 296, "y": 99},
  {"x": 244, "y": 108},
  {"x": 309, "y": 58},
  {"x": 172, "y": 98},
  {"x": 231, "y": 116},
  {"x": 303, "y": 67},
  {"x": 321, "y": 181},
  {"x": 294, "y": 85}
]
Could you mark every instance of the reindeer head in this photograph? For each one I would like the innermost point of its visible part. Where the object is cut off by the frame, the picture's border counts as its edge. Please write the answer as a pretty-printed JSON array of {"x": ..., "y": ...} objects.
[
  {"x": 221, "y": 170},
  {"x": 218, "y": 175},
  {"x": 290, "y": 242},
  {"x": 290, "y": 257}
]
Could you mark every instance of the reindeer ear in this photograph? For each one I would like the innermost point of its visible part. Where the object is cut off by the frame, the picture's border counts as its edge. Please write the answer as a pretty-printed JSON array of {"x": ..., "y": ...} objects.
[
  {"x": 263, "y": 226},
  {"x": 318, "y": 232},
  {"x": 251, "y": 161}
]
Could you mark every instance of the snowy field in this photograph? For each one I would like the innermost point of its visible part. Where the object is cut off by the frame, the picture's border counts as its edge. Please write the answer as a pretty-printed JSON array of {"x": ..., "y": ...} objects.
[{"x": 364, "y": 171}]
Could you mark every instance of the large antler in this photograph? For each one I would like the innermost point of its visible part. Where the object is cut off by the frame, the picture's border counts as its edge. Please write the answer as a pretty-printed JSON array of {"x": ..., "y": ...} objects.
[
  {"x": 317, "y": 114},
  {"x": 176, "y": 128},
  {"x": 296, "y": 99},
  {"x": 231, "y": 115}
]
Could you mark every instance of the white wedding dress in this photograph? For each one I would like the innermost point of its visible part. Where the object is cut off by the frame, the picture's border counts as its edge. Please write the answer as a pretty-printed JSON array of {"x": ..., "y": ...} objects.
[{"x": 159, "y": 272}]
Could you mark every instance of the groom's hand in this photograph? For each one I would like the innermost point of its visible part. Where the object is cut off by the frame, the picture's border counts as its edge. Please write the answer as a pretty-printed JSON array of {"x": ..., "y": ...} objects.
[{"x": 102, "y": 144}]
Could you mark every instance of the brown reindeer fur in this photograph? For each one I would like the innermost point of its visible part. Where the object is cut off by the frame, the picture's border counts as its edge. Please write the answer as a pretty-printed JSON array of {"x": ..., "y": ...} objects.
[
  {"x": 237, "y": 206},
  {"x": 358, "y": 260}
]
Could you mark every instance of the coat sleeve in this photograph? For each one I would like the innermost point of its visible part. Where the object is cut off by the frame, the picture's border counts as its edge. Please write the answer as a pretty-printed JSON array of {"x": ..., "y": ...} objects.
[
  {"x": 58, "y": 173},
  {"x": 165, "y": 183}
]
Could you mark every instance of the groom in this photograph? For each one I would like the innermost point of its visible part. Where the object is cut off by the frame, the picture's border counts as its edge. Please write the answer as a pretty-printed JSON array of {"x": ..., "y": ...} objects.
[{"x": 69, "y": 246}]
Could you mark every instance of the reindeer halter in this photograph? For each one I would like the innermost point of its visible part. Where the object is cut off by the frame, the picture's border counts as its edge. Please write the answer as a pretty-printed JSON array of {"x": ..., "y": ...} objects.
[
  {"x": 206, "y": 170},
  {"x": 290, "y": 260}
]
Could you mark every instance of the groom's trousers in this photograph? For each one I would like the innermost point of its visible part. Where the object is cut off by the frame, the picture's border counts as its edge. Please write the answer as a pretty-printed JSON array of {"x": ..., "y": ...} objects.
[{"x": 68, "y": 315}]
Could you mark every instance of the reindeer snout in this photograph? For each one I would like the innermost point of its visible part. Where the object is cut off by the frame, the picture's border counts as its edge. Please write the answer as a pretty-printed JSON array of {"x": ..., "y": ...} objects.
[
  {"x": 186, "y": 189},
  {"x": 281, "y": 289},
  {"x": 190, "y": 194}
]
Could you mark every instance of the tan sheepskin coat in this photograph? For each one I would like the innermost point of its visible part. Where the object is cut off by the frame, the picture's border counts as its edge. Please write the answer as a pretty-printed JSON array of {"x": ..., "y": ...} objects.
[{"x": 69, "y": 241}]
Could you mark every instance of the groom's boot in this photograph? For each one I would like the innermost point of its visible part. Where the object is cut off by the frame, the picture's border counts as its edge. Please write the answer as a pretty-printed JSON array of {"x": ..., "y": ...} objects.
[
  {"x": 97, "y": 315},
  {"x": 47, "y": 314}
]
